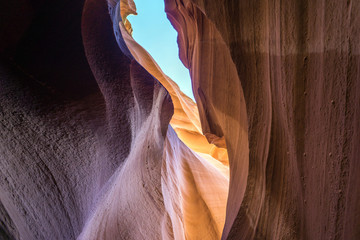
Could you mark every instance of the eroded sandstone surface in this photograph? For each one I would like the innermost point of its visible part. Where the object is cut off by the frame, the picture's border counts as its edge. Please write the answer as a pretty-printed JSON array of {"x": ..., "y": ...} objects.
[{"x": 96, "y": 142}]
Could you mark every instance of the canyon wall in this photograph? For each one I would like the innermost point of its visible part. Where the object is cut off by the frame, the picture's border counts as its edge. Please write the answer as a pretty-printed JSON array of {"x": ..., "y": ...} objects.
[
  {"x": 297, "y": 64},
  {"x": 87, "y": 151},
  {"x": 96, "y": 142}
]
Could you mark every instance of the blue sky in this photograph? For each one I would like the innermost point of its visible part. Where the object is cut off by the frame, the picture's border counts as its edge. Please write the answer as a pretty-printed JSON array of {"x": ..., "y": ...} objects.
[{"x": 153, "y": 31}]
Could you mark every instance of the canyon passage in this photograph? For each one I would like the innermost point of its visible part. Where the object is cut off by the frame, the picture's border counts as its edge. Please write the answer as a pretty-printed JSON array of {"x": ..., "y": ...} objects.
[{"x": 96, "y": 142}]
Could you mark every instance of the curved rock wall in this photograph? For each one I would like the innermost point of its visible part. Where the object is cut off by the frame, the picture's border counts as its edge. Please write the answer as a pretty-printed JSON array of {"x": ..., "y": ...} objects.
[
  {"x": 91, "y": 156},
  {"x": 97, "y": 143},
  {"x": 297, "y": 64}
]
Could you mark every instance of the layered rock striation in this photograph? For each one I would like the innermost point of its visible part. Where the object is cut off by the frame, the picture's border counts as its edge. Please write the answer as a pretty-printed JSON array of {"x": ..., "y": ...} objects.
[
  {"x": 296, "y": 65},
  {"x": 93, "y": 156},
  {"x": 96, "y": 142}
]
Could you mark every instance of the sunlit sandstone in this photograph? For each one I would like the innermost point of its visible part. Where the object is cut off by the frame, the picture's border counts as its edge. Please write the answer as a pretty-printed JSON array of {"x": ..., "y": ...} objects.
[{"x": 97, "y": 143}]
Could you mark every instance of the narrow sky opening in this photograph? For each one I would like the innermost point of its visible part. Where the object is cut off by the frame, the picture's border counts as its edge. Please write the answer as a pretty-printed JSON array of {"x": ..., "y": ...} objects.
[{"x": 154, "y": 32}]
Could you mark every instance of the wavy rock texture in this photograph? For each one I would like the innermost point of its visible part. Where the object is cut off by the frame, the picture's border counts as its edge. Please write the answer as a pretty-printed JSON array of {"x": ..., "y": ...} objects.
[
  {"x": 91, "y": 156},
  {"x": 97, "y": 143},
  {"x": 297, "y": 64}
]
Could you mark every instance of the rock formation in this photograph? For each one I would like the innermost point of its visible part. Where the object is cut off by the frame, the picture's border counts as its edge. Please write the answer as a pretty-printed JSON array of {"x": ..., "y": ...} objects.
[
  {"x": 96, "y": 142},
  {"x": 297, "y": 64}
]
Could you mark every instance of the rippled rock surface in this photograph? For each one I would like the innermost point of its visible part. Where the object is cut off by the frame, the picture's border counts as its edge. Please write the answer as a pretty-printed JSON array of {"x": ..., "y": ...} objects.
[{"x": 96, "y": 142}]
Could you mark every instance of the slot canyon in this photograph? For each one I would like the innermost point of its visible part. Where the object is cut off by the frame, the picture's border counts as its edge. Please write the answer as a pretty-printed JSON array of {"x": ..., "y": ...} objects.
[{"x": 97, "y": 142}]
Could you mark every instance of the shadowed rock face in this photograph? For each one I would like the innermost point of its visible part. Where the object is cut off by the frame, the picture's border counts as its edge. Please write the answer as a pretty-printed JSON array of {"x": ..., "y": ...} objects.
[
  {"x": 86, "y": 147},
  {"x": 97, "y": 143},
  {"x": 297, "y": 64},
  {"x": 66, "y": 128}
]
